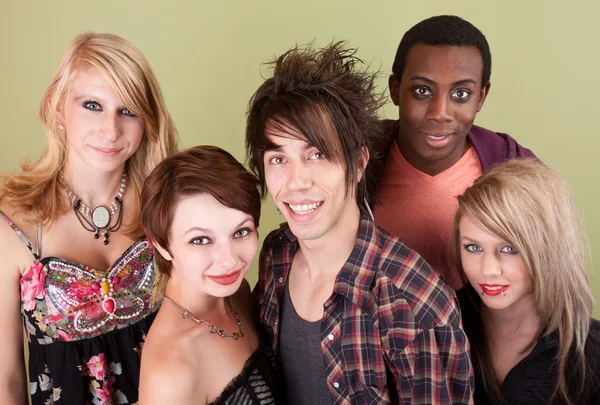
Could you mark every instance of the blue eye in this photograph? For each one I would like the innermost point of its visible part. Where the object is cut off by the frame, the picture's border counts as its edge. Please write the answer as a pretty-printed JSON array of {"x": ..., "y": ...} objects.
[
  {"x": 127, "y": 112},
  {"x": 201, "y": 240},
  {"x": 472, "y": 248},
  {"x": 92, "y": 105},
  {"x": 509, "y": 250}
]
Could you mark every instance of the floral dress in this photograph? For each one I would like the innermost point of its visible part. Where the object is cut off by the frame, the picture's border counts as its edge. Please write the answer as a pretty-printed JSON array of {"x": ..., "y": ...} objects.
[{"x": 86, "y": 328}]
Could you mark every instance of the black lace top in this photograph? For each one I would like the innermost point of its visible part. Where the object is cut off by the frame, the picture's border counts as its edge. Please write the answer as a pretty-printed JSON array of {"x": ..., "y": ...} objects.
[{"x": 259, "y": 383}]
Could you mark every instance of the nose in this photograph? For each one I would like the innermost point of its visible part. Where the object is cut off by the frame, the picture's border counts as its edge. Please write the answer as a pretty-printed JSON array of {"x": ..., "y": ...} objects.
[
  {"x": 440, "y": 109},
  {"x": 225, "y": 256},
  {"x": 299, "y": 177},
  {"x": 491, "y": 265},
  {"x": 111, "y": 128}
]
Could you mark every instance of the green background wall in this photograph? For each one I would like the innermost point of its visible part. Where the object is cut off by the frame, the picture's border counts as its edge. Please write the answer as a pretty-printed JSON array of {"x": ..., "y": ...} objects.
[{"x": 208, "y": 54}]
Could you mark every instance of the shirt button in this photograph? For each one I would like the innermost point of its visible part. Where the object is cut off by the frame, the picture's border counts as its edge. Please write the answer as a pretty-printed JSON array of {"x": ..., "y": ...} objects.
[
  {"x": 336, "y": 384},
  {"x": 281, "y": 279},
  {"x": 275, "y": 323},
  {"x": 331, "y": 337}
]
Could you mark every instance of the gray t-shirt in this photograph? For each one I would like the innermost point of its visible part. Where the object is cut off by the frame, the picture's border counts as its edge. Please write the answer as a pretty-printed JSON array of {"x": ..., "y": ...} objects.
[{"x": 301, "y": 356}]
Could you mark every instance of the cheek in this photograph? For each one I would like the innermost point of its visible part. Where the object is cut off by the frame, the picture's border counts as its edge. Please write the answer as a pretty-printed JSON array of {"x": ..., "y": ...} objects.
[
  {"x": 465, "y": 113},
  {"x": 412, "y": 111},
  {"x": 249, "y": 248},
  {"x": 274, "y": 179},
  {"x": 469, "y": 264},
  {"x": 192, "y": 261},
  {"x": 135, "y": 131}
]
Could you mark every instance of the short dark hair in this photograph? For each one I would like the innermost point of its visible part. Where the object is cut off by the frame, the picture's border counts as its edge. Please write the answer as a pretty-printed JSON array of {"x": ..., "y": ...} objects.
[
  {"x": 198, "y": 170},
  {"x": 325, "y": 95},
  {"x": 444, "y": 30}
]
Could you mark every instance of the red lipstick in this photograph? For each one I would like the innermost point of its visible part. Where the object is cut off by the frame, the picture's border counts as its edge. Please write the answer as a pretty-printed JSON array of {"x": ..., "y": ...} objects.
[
  {"x": 493, "y": 289},
  {"x": 226, "y": 279}
]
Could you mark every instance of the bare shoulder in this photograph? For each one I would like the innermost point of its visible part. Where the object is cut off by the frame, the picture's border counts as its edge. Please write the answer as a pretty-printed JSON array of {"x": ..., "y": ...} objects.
[
  {"x": 13, "y": 249},
  {"x": 168, "y": 373}
]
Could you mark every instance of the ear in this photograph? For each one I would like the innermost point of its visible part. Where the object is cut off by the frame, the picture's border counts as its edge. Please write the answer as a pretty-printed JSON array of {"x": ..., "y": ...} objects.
[
  {"x": 364, "y": 161},
  {"x": 59, "y": 116},
  {"x": 163, "y": 252},
  {"x": 482, "y": 95},
  {"x": 394, "y": 86}
]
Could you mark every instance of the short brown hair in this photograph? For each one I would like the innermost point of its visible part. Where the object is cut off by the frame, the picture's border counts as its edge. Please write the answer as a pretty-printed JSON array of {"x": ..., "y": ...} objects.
[
  {"x": 327, "y": 97},
  {"x": 198, "y": 170}
]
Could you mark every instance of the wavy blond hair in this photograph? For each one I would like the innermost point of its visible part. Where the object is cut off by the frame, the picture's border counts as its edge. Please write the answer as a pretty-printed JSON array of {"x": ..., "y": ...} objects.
[
  {"x": 530, "y": 206},
  {"x": 35, "y": 191}
]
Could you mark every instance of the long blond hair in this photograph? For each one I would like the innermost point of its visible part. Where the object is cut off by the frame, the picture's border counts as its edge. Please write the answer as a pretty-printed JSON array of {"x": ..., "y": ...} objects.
[
  {"x": 530, "y": 206},
  {"x": 35, "y": 191}
]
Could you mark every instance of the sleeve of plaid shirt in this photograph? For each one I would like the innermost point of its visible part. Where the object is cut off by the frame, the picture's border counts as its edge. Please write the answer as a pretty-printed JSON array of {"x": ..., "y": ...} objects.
[{"x": 427, "y": 350}]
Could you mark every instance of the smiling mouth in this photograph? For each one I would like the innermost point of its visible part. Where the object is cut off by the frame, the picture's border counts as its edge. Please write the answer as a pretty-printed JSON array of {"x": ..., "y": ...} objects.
[
  {"x": 493, "y": 289},
  {"x": 106, "y": 151},
  {"x": 305, "y": 209},
  {"x": 437, "y": 138},
  {"x": 226, "y": 279}
]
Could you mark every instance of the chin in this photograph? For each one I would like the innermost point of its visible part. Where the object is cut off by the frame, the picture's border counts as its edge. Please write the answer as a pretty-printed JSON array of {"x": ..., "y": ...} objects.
[
  {"x": 306, "y": 232},
  {"x": 222, "y": 291}
]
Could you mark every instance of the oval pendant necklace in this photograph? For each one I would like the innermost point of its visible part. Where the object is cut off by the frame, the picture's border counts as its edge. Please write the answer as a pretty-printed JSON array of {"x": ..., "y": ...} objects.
[{"x": 98, "y": 220}]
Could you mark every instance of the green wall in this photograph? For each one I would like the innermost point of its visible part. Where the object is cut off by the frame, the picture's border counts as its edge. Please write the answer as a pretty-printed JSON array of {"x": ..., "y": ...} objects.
[{"x": 207, "y": 56}]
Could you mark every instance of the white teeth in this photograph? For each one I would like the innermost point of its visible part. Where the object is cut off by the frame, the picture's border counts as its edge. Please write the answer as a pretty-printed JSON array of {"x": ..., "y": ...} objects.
[
  {"x": 494, "y": 288},
  {"x": 436, "y": 138},
  {"x": 304, "y": 209}
]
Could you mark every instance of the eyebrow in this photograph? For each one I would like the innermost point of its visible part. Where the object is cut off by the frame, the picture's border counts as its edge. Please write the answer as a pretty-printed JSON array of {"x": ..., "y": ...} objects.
[
  {"x": 87, "y": 97},
  {"x": 457, "y": 83},
  {"x": 205, "y": 230},
  {"x": 279, "y": 148}
]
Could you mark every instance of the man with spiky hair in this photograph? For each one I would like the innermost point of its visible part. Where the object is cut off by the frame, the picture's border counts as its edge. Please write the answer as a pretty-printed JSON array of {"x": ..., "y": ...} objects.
[
  {"x": 433, "y": 152},
  {"x": 356, "y": 316}
]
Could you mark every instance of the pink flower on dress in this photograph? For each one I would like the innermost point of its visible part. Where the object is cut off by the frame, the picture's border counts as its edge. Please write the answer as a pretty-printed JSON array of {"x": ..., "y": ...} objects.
[
  {"x": 54, "y": 316},
  {"x": 32, "y": 286},
  {"x": 105, "y": 393},
  {"x": 64, "y": 336},
  {"x": 98, "y": 367}
]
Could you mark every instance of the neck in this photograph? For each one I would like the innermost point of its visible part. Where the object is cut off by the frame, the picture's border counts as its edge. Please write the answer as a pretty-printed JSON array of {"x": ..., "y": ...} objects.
[
  {"x": 187, "y": 297},
  {"x": 331, "y": 251},
  {"x": 519, "y": 318},
  {"x": 94, "y": 187}
]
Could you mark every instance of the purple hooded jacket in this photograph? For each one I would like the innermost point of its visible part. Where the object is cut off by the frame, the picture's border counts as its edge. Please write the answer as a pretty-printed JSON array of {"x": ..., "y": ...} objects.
[{"x": 491, "y": 148}]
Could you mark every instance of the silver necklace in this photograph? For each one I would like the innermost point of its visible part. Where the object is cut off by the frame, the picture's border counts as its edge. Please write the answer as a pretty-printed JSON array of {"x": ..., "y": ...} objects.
[
  {"x": 185, "y": 314},
  {"x": 101, "y": 216}
]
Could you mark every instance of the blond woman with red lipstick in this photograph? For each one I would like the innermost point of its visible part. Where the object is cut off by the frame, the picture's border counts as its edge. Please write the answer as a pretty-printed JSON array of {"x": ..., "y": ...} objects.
[
  {"x": 204, "y": 347},
  {"x": 527, "y": 303}
]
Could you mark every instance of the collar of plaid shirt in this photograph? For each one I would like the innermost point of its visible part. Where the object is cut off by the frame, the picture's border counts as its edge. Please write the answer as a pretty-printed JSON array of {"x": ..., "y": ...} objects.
[{"x": 355, "y": 277}]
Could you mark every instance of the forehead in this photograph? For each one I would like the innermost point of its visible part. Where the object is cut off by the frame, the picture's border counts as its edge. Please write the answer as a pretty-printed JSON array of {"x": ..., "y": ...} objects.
[
  {"x": 286, "y": 136},
  {"x": 204, "y": 211},
  {"x": 317, "y": 132},
  {"x": 91, "y": 81},
  {"x": 452, "y": 63},
  {"x": 468, "y": 229}
]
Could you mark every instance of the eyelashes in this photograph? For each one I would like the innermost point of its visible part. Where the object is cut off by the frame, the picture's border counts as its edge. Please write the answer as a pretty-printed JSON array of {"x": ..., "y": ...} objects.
[
  {"x": 93, "y": 105},
  {"x": 205, "y": 240}
]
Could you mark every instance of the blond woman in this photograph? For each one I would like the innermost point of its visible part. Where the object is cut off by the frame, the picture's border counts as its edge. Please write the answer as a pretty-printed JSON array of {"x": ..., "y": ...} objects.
[
  {"x": 77, "y": 272},
  {"x": 528, "y": 302}
]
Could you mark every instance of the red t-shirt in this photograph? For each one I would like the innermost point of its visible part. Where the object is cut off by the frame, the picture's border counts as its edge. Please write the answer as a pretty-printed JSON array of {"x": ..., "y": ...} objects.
[{"x": 420, "y": 208}]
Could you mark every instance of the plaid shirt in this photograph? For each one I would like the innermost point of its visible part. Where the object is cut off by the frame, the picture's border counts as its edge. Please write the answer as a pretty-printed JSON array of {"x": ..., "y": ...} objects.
[{"x": 391, "y": 330}]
